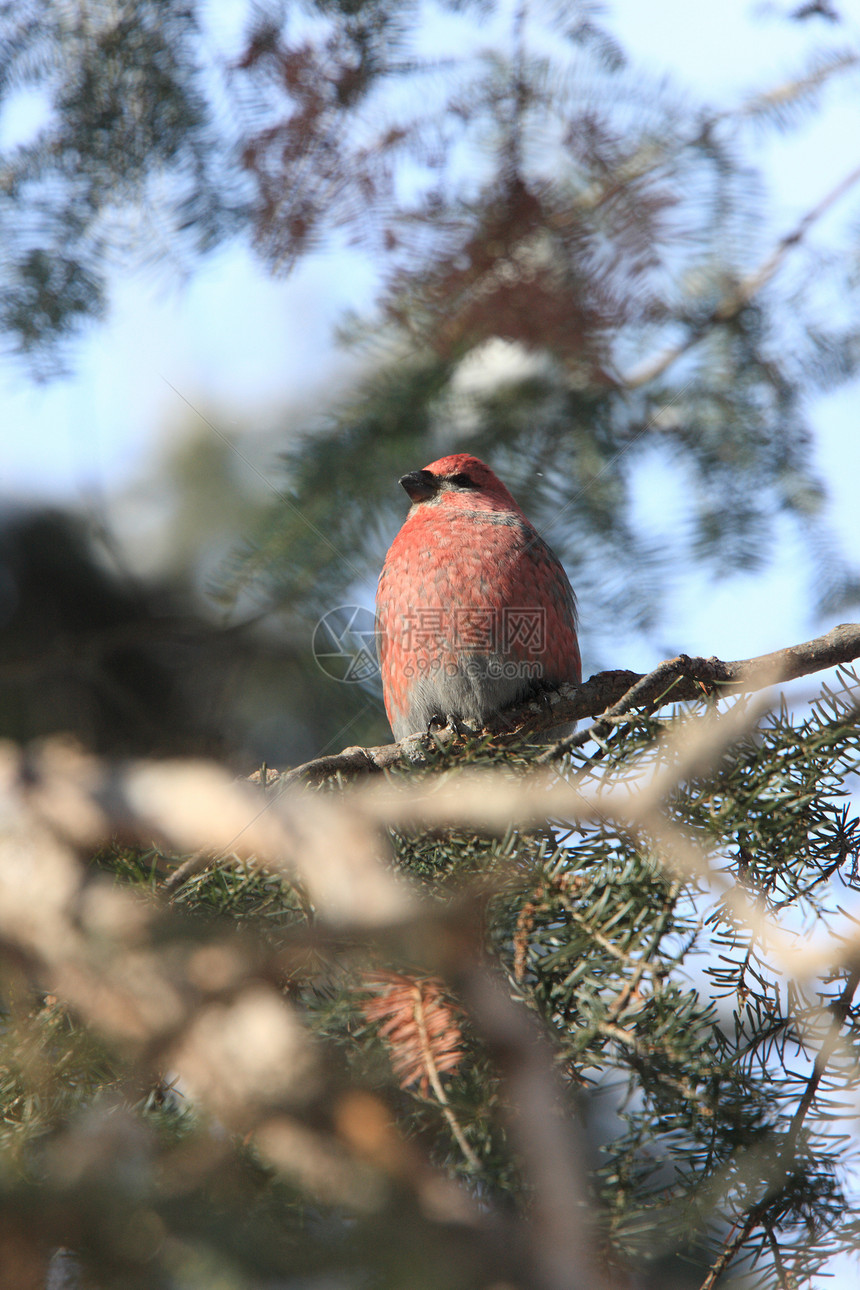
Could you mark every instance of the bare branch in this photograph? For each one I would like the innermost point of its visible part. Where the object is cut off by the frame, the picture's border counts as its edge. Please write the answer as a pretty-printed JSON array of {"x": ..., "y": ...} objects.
[{"x": 612, "y": 694}]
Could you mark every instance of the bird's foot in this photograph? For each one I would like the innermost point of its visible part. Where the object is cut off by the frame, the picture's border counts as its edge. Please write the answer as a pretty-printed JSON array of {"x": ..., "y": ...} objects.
[{"x": 440, "y": 722}]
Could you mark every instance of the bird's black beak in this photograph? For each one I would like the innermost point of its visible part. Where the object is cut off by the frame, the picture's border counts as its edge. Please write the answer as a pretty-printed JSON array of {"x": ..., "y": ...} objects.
[{"x": 420, "y": 485}]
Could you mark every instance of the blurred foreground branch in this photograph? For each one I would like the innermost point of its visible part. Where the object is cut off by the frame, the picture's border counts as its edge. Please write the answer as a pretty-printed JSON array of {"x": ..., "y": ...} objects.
[
  {"x": 743, "y": 291},
  {"x": 212, "y": 1014},
  {"x": 231, "y": 1015}
]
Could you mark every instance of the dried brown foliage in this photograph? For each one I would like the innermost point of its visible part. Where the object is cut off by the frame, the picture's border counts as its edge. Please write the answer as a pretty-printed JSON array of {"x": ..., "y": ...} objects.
[{"x": 419, "y": 1024}]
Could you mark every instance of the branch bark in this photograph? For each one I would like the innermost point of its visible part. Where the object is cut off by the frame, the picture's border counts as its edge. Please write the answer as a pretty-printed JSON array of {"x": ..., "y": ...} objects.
[{"x": 610, "y": 696}]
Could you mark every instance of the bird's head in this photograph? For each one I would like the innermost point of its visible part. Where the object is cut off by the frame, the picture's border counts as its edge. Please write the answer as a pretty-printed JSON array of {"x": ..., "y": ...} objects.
[{"x": 458, "y": 482}]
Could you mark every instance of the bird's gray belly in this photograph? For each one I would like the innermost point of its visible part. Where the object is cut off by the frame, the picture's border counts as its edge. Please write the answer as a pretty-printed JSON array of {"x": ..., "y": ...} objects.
[{"x": 470, "y": 693}]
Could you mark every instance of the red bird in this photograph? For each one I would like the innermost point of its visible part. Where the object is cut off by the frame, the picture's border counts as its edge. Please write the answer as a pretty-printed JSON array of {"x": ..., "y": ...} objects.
[{"x": 474, "y": 611}]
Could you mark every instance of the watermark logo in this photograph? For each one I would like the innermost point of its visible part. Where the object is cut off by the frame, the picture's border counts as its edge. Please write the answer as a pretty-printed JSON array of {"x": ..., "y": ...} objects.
[
  {"x": 476, "y": 642},
  {"x": 478, "y": 669},
  {"x": 476, "y": 630},
  {"x": 344, "y": 644}
]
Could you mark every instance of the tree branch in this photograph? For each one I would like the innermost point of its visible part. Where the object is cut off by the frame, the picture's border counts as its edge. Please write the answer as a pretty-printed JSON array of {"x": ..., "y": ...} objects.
[
  {"x": 736, "y": 1238},
  {"x": 839, "y": 1011},
  {"x": 741, "y": 294},
  {"x": 563, "y": 1255},
  {"x": 611, "y": 695},
  {"x": 436, "y": 1083}
]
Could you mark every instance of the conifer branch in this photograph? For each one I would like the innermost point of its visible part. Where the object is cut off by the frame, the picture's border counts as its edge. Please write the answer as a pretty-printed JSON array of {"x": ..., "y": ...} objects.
[
  {"x": 436, "y": 1083},
  {"x": 781, "y": 1271},
  {"x": 80, "y": 944},
  {"x": 839, "y": 1012},
  {"x": 631, "y": 986},
  {"x": 736, "y": 1238},
  {"x": 739, "y": 296},
  {"x": 421, "y": 1030},
  {"x": 683, "y": 678}
]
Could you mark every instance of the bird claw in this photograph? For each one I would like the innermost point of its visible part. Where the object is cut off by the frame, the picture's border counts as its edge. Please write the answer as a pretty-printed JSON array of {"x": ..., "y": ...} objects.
[{"x": 440, "y": 722}]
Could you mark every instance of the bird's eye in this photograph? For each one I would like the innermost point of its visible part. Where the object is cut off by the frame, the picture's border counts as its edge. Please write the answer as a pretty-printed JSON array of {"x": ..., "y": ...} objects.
[{"x": 462, "y": 481}]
